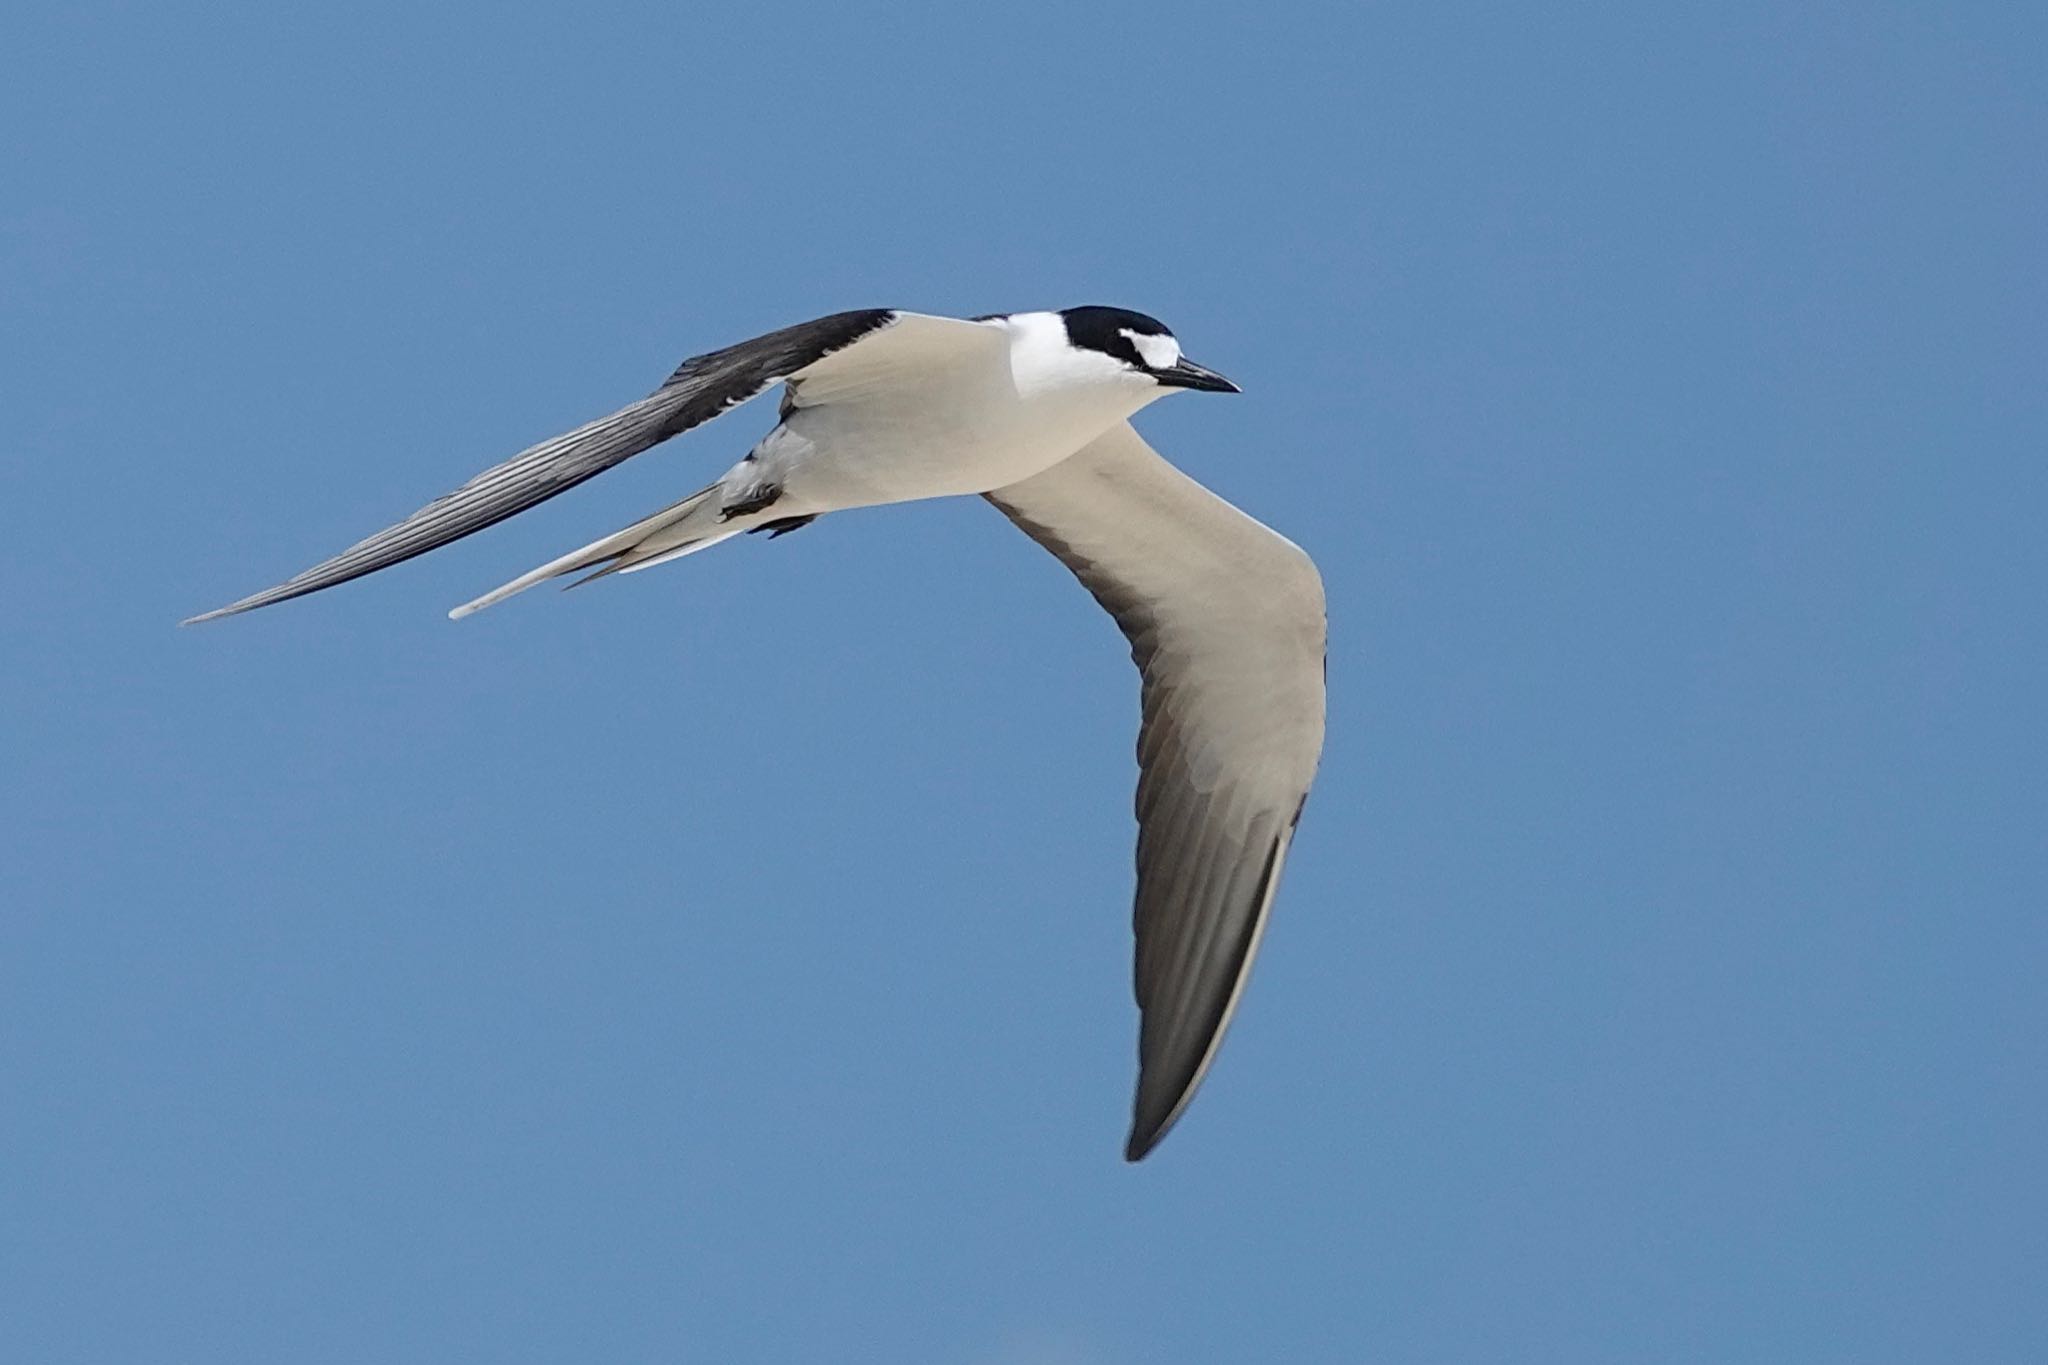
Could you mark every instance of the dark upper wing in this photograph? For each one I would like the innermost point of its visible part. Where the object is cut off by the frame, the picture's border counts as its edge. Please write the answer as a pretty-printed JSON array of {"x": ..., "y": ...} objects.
[
  {"x": 1226, "y": 624},
  {"x": 701, "y": 388}
]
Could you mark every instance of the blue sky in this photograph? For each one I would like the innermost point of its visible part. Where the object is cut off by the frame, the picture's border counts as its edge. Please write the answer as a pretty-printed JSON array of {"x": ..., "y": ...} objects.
[{"x": 731, "y": 963}]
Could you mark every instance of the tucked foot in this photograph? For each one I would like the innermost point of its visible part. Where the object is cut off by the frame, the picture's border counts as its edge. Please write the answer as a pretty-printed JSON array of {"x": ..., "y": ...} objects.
[{"x": 781, "y": 526}]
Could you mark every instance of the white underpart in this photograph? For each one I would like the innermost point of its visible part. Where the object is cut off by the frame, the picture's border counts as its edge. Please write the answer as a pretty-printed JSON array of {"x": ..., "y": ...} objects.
[{"x": 1158, "y": 352}]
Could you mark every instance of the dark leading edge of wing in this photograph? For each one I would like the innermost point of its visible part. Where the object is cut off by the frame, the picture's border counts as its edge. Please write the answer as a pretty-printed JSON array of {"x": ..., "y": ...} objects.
[
  {"x": 1225, "y": 620},
  {"x": 701, "y": 388}
]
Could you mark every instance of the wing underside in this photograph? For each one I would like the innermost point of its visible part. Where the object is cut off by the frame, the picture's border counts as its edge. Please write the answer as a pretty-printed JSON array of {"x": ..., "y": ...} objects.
[{"x": 1226, "y": 624}]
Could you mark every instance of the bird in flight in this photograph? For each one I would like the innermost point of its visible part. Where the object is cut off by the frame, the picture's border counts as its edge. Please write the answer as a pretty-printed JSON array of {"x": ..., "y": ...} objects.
[{"x": 1032, "y": 412}]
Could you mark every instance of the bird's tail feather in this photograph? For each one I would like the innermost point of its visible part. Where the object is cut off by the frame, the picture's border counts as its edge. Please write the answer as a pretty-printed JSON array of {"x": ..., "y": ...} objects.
[{"x": 683, "y": 528}]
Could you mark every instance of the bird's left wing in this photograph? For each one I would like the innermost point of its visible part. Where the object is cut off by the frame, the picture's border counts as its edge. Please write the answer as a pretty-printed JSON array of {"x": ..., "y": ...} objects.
[
  {"x": 701, "y": 388},
  {"x": 1226, "y": 624}
]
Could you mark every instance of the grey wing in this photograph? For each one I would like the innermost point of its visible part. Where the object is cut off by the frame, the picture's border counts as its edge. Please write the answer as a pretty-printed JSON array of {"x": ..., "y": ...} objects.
[
  {"x": 1226, "y": 624},
  {"x": 701, "y": 388}
]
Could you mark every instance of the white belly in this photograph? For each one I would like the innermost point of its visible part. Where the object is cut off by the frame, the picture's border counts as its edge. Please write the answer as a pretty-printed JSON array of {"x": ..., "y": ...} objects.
[{"x": 928, "y": 445}]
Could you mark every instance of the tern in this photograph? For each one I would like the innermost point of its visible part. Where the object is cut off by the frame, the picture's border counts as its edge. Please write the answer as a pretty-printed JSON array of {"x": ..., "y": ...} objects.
[{"x": 1031, "y": 411}]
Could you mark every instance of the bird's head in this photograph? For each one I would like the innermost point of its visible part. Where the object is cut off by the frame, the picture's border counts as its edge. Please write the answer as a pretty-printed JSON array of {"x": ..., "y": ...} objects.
[{"x": 1141, "y": 345}]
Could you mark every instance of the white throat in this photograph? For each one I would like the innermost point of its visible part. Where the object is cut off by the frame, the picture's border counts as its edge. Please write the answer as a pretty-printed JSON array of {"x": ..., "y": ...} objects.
[{"x": 1044, "y": 364}]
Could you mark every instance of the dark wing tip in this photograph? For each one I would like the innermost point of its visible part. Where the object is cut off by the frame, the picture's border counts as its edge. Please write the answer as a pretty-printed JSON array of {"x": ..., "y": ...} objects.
[
  {"x": 1144, "y": 1137},
  {"x": 343, "y": 568},
  {"x": 1169, "y": 1078},
  {"x": 1159, "y": 1107},
  {"x": 249, "y": 603}
]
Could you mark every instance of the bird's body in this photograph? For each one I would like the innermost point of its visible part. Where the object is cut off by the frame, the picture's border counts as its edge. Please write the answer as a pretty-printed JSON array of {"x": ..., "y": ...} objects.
[
  {"x": 1030, "y": 409},
  {"x": 961, "y": 412},
  {"x": 927, "y": 407}
]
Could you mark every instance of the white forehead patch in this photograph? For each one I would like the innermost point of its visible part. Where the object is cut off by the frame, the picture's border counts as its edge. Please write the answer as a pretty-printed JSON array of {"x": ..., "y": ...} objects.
[{"x": 1158, "y": 353}]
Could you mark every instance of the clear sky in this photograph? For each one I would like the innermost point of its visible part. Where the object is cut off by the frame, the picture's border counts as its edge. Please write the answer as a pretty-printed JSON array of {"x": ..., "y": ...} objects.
[{"x": 731, "y": 963}]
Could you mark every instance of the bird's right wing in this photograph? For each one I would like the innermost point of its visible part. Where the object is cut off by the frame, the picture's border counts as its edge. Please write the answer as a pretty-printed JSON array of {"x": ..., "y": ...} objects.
[
  {"x": 701, "y": 388},
  {"x": 1226, "y": 625}
]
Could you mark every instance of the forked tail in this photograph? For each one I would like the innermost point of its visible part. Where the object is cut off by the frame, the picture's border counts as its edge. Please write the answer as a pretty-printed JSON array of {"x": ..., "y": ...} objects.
[{"x": 691, "y": 525}]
